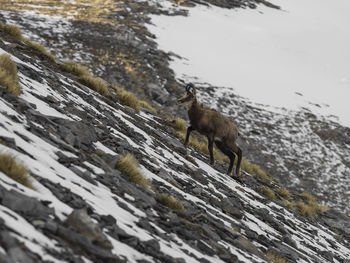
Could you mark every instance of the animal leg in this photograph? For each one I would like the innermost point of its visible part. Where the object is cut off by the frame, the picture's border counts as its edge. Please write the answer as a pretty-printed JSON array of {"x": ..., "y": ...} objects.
[
  {"x": 225, "y": 150},
  {"x": 189, "y": 130},
  {"x": 238, "y": 151},
  {"x": 210, "y": 148}
]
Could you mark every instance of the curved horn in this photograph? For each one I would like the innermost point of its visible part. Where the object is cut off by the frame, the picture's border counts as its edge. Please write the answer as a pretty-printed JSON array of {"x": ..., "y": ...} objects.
[{"x": 189, "y": 86}]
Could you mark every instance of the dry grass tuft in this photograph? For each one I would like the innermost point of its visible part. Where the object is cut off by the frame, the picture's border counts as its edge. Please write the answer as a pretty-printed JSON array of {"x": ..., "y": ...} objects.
[
  {"x": 130, "y": 167},
  {"x": 74, "y": 68},
  {"x": 308, "y": 197},
  {"x": 94, "y": 83},
  {"x": 303, "y": 209},
  {"x": 267, "y": 192},
  {"x": 275, "y": 258},
  {"x": 311, "y": 208},
  {"x": 146, "y": 105},
  {"x": 254, "y": 169},
  {"x": 8, "y": 75},
  {"x": 289, "y": 205},
  {"x": 13, "y": 31},
  {"x": 179, "y": 124},
  {"x": 2, "y": 26},
  {"x": 284, "y": 192},
  {"x": 15, "y": 170},
  {"x": 128, "y": 98},
  {"x": 170, "y": 202},
  {"x": 40, "y": 48}
]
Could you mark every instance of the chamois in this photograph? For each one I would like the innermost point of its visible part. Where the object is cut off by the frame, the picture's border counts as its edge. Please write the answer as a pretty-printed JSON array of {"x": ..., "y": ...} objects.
[{"x": 215, "y": 126}]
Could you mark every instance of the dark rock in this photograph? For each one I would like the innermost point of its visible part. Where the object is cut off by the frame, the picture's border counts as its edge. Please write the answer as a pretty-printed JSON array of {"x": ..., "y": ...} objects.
[
  {"x": 204, "y": 247},
  {"x": 144, "y": 223},
  {"x": 75, "y": 133},
  {"x": 157, "y": 93},
  {"x": 26, "y": 206},
  {"x": 82, "y": 223},
  {"x": 14, "y": 250},
  {"x": 244, "y": 244},
  {"x": 152, "y": 245},
  {"x": 82, "y": 242},
  {"x": 51, "y": 226},
  {"x": 108, "y": 220},
  {"x": 289, "y": 240},
  {"x": 252, "y": 235},
  {"x": 234, "y": 209},
  {"x": 5, "y": 258}
]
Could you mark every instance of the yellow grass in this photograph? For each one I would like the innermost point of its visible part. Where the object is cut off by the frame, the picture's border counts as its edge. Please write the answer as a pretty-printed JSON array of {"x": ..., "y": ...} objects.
[
  {"x": 13, "y": 31},
  {"x": 275, "y": 258},
  {"x": 179, "y": 124},
  {"x": 254, "y": 169},
  {"x": 128, "y": 98},
  {"x": 311, "y": 208},
  {"x": 170, "y": 202},
  {"x": 289, "y": 205},
  {"x": 74, "y": 68},
  {"x": 284, "y": 192},
  {"x": 267, "y": 192},
  {"x": 8, "y": 75},
  {"x": 94, "y": 83},
  {"x": 38, "y": 47},
  {"x": 15, "y": 170},
  {"x": 130, "y": 167},
  {"x": 146, "y": 105}
]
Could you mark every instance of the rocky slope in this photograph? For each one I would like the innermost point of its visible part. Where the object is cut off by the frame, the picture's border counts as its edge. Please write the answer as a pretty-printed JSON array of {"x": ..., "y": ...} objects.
[
  {"x": 309, "y": 152},
  {"x": 81, "y": 209}
]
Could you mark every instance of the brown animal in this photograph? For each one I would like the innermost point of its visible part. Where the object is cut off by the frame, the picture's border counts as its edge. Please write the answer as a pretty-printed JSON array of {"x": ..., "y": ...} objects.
[{"x": 215, "y": 126}]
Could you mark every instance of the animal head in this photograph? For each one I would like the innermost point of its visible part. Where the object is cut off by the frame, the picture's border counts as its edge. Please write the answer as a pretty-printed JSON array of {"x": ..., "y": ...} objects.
[{"x": 190, "y": 94}]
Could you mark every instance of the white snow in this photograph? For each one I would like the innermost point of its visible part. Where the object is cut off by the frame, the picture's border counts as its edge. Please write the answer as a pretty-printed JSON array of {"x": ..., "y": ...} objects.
[
  {"x": 41, "y": 159},
  {"x": 267, "y": 55}
]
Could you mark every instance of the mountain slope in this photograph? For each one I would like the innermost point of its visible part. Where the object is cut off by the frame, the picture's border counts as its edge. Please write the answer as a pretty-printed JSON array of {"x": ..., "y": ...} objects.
[{"x": 82, "y": 209}]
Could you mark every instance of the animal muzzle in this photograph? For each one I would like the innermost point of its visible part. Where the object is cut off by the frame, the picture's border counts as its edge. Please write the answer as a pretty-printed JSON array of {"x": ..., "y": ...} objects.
[{"x": 184, "y": 99}]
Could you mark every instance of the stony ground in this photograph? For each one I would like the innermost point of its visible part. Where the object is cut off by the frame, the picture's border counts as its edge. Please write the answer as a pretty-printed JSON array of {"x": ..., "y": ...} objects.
[
  {"x": 309, "y": 152},
  {"x": 84, "y": 210},
  {"x": 71, "y": 138}
]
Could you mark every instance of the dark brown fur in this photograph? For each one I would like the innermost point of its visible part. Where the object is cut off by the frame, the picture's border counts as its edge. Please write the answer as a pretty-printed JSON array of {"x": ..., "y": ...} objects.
[{"x": 216, "y": 127}]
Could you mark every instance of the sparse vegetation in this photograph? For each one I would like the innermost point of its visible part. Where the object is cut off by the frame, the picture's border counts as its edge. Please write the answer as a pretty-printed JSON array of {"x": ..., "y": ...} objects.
[
  {"x": 146, "y": 105},
  {"x": 1, "y": 26},
  {"x": 254, "y": 169},
  {"x": 129, "y": 99},
  {"x": 85, "y": 77},
  {"x": 284, "y": 192},
  {"x": 100, "y": 152},
  {"x": 311, "y": 208},
  {"x": 170, "y": 202},
  {"x": 16, "y": 33},
  {"x": 94, "y": 83},
  {"x": 8, "y": 75},
  {"x": 38, "y": 47},
  {"x": 130, "y": 167},
  {"x": 275, "y": 258},
  {"x": 289, "y": 205},
  {"x": 13, "y": 31},
  {"x": 267, "y": 192},
  {"x": 74, "y": 68},
  {"x": 15, "y": 170},
  {"x": 179, "y": 124}
]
